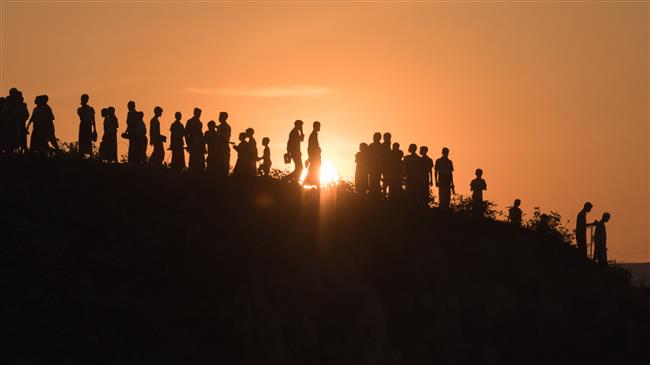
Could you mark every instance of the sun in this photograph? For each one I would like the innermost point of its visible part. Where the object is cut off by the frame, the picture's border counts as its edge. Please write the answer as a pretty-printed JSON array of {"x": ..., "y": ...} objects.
[
  {"x": 328, "y": 173},
  {"x": 329, "y": 176}
]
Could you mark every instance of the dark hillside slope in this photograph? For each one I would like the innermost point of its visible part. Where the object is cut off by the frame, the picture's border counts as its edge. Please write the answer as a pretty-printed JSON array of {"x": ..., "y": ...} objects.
[
  {"x": 130, "y": 265},
  {"x": 640, "y": 273}
]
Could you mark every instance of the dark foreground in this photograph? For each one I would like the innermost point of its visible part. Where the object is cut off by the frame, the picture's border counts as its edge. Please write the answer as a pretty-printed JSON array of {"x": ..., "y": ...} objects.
[
  {"x": 111, "y": 264},
  {"x": 640, "y": 273}
]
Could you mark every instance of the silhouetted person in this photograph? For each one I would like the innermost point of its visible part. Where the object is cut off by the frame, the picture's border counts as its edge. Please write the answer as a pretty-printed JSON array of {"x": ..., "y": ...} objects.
[
  {"x": 3, "y": 124},
  {"x": 252, "y": 154},
  {"x": 156, "y": 139},
  {"x": 265, "y": 167},
  {"x": 108, "y": 145},
  {"x": 543, "y": 226},
  {"x": 375, "y": 154},
  {"x": 296, "y": 136},
  {"x": 361, "y": 170},
  {"x": 131, "y": 132},
  {"x": 9, "y": 134},
  {"x": 581, "y": 229},
  {"x": 103, "y": 113},
  {"x": 478, "y": 185},
  {"x": 385, "y": 160},
  {"x": 514, "y": 213},
  {"x": 427, "y": 174},
  {"x": 14, "y": 116},
  {"x": 394, "y": 174},
  {"x": 600, "y": 241},
  {"x": 212, "y": 142},
  {"x": 413, "y": 172},
  {"x": 43, "y": 130},
  {"x": 314, "y": 153},
  {"x": 131, "y": 122},
  {"x": 6, "y": 131},
  {"x": 87, "y": 128},
  {"x": 444, "y": 178},
  {"x": 20, "y": 115},
  {"x": 176, "y": 144},
  {"x": 222, "y": 155},
  {"x": 8, "y": 137},
  {"x": 242, "y": 169},
  {"x": 195, "y": 141},
  {"x": 141, "y": 139}
]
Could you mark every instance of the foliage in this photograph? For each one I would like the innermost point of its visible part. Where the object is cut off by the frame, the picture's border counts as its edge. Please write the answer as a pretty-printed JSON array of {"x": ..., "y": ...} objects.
[
  {"x": 346, "y": 186},
  {"x": 463, "y": 204},
  {"x": 71, "y": 149},
  {"x": 554, "y": 224},
  {"x": 278, "y": 173}
]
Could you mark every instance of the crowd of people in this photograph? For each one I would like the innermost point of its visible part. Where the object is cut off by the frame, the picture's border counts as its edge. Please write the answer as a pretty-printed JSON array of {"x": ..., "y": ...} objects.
[{"x": 382, "y": 168}]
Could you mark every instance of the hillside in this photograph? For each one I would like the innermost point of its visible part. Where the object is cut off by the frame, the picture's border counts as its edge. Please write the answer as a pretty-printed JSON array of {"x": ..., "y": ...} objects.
[
  {"x": 128, "y": 264},
  {"x": 640, "y": 273}
]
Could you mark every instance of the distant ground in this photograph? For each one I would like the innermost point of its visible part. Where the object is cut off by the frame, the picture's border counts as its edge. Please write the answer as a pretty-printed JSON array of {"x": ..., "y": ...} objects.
[
  {"x": 117, "y": 264},
  {"x": 640, "y": 273}
]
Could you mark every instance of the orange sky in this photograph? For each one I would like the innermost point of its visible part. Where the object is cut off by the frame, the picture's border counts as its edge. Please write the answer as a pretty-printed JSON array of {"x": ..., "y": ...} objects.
[{"x": 550, "y": 99}]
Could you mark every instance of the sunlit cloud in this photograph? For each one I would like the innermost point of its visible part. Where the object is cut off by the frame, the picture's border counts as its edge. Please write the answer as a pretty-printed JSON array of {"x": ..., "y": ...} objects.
[{"x": 277, "y": 91}]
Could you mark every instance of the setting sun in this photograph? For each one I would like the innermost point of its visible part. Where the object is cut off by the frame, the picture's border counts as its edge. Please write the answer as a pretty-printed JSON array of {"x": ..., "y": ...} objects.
[{"x": 329, "y": 176}]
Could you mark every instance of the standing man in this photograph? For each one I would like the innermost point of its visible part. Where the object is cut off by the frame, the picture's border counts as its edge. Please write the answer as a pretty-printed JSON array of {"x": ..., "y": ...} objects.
[
  {"x": 252, "y": 152},
  {"x": 195, "y": 141},
  {"x": 296, "y": 136},
  {"x": 385, "y": 161},
  {"x": 314, "y": 153},
  {"x": 43, "y": 132},
  {"x": 427, "y": 174},
  {"x": 581, "y": 229},
  {"x": 108, "y": 146},
  {"x": 87, "y": 129},
  {"x": 131, "y": 131},
  {"x": 412, "y": 172},
  {"x": 361, "y": 170},
  {"x": 395, "y": 172},
  {"x": 12, "y": 126},
  {"x": 444, "y": 176},
  {"x": 375, "y": 155},
  {"x": 141, "y": 140},
  {"x": 223, "y": 154},
  {"x": 21, "y": 115},
  {"x": 478, "y": 185},
  {"x": 176, "y": 144},
  {"x": 514, "y": 213},
  {"x": 212, "y": 142},
  {"x": 156, "y": 139},
  {"x": 600, "y": 241}
]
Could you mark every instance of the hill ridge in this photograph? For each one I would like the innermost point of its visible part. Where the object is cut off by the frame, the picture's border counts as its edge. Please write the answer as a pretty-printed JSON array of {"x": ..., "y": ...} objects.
[{"x": 106, "y": 263}]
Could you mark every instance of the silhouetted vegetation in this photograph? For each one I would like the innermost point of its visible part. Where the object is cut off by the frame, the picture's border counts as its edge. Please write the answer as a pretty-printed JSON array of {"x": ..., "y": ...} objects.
[{"x": 110, "y": 263}]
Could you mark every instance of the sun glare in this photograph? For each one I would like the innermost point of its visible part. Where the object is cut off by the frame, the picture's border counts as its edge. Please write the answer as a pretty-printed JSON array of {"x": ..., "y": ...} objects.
[{"x": 328, "y": 175}]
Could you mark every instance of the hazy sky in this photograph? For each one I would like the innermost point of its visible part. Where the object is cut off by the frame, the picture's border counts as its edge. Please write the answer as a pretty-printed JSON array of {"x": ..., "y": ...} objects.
[{"x": 550, "y": 99}]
